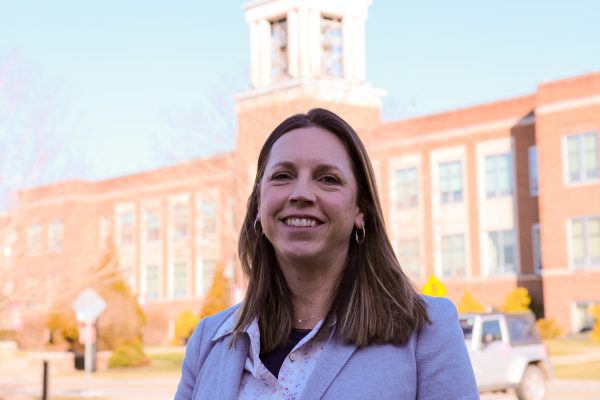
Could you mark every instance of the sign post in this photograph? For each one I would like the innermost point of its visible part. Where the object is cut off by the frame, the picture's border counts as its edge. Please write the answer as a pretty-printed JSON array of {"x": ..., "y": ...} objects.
[{"x": 88, "y": 306}]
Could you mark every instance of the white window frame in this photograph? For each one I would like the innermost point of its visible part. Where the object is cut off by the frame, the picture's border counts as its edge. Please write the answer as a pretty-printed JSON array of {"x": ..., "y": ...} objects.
[
  {"x": 186, "y": 281},
  {"x": 582, "y": 180},
  {"x": 400, "y": 244},
  {"x": 56, "y": 235},
  {"x": 465, "y": 257},
  {"x": 158, "y": 281},
  {"x": 589, "y": 264},
  {"x": 398, "y": 196},
  {"x": 502, "y": 266},
  {"x": 451, "y": 199},
  {"x": 495, "y": 193}
]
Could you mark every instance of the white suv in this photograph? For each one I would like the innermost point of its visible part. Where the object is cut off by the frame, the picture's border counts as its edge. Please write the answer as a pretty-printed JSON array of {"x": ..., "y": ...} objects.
[{"x": 506, "y": 352}]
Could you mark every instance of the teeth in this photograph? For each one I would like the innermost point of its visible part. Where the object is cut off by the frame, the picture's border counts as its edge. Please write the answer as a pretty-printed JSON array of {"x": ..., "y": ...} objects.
[{"x": 301, "y": 222}]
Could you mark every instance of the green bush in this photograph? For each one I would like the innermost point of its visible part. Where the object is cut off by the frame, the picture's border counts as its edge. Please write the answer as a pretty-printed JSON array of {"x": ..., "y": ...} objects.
[{"x": 129, "y": 354}]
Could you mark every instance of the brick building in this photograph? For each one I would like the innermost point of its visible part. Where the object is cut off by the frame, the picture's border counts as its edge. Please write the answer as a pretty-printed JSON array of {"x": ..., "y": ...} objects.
[{"x": 487, "y": 198}]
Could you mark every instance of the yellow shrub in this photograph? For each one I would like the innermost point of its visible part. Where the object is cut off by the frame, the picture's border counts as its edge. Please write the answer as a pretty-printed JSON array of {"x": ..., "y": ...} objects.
[
  {"x": 595, "y": 312},
  {"x": 468, "y": 304},
  {"x": 548, "y": 328},
  {"x": 184, "y": 327},
  {"x": 434, "y": 287},
  {"x": 217, "y": 298},
  {"x": 517, "y": 300}
]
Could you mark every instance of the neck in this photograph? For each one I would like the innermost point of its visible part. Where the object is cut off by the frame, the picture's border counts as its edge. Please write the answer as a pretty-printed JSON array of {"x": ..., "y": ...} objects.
[{"x": 311, "y": 287}]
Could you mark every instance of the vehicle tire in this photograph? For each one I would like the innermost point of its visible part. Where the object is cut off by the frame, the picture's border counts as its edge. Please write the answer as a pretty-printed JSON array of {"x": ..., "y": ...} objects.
[{"x": 533, "y": 384}]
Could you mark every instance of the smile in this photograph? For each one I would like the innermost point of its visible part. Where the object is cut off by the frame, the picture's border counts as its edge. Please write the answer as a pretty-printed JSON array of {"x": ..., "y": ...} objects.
[{"x": 300, "y": 222}]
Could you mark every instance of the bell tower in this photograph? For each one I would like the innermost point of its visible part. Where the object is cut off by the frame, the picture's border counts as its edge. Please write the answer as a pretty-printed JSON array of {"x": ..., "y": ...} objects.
[{"x": 304, "y": 54}]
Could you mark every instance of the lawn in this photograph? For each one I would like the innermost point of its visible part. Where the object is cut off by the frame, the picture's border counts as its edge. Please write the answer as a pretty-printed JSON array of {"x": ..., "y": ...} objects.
[{"x": 559, "y": 347}]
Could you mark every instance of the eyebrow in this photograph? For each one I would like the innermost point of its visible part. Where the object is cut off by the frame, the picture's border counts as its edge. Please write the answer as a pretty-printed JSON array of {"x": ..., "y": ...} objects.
[{"x": 320, "y": 167}]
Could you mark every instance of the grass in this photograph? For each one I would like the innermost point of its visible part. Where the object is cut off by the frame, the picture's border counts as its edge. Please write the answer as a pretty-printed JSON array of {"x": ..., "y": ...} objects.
[
  {"x": 584, "y": 371},
  {"x": 559, "y": 347},
  {"x": 168, "y": 363}
]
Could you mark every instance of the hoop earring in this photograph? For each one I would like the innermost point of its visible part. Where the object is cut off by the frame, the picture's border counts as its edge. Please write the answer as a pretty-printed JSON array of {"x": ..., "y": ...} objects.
[
  {"x": 256, "y": 230},
  {"x": 364, "y": 235}
]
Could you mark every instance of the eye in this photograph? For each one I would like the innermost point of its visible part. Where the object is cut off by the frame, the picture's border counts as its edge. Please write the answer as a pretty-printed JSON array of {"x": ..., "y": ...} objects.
[
  {"x": 329, "y": 179},
  {"x": 281, "y": 176}
]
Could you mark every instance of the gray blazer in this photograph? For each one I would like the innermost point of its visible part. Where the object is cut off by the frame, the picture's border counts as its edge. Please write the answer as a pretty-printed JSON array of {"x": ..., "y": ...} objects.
[{"x": 433, "y": 364}]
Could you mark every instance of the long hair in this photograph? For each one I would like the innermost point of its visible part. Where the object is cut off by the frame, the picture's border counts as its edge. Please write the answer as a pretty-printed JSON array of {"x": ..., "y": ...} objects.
[{"x": 373, "y": 301}]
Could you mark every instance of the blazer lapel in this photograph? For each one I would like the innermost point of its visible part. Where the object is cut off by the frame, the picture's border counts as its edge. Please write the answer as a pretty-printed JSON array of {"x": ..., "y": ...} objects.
[
  {"x": 333, "y": 358},
  {"x": 231, "y": 367}
]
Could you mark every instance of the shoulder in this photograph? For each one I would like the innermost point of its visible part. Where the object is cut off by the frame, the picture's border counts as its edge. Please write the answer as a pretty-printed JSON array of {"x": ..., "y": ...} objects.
[
  {"x": 440, "y": 309},
  {"x": 209, "y": 326}
]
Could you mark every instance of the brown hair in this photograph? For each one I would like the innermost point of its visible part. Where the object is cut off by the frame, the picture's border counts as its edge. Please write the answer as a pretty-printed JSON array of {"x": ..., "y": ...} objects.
[{"x": 373, "y": 301}]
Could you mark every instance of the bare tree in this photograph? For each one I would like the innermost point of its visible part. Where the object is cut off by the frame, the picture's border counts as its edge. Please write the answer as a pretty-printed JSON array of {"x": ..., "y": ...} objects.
[{"x": 37, "y": 131}]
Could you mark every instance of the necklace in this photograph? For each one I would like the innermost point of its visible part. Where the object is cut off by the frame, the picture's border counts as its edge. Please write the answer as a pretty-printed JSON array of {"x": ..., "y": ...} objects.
[{"x": 300, "y": 321}]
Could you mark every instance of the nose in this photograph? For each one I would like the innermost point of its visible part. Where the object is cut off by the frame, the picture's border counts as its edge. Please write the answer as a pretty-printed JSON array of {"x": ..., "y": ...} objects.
[{"x": 302, "y": 191}]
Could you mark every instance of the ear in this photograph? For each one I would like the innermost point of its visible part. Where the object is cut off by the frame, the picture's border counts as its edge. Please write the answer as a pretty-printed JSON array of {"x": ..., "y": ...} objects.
[{"x": 359, "y": 220}]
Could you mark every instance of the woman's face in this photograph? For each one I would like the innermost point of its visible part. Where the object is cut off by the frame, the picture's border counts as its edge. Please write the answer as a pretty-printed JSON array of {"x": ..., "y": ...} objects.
[{"x": 308, "y": 197}]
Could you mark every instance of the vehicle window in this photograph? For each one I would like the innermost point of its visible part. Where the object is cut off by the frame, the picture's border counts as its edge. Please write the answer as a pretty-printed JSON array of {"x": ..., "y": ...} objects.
[
  {"x": 522, "y": 330},
  {"x": 491, "y": 331},
  {"x": 467, "y": 327}
]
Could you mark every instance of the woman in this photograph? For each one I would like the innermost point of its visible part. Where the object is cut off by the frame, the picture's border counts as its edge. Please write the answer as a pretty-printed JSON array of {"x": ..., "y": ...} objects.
[{"x": 328, "y": 312}]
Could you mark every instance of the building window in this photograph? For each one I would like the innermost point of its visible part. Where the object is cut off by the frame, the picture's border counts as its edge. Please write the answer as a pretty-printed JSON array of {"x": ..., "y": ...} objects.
[
  {"x": 104, "y": 232},
  {"x": 126, "y": 225},
  {"x": 498, "y": 175},
  {"x": 151, "y": 226},
  {"x": 55, "y": 235},
  {"x": 207, "y": 218},
  {"x": 583, "y": 320},
  {"x": 34, "y": 238},
  {"x": 126, "y": 268},
  {"x": 501, "y": 252},
  {"x": 585, "y": 242},
  {"x": 582, "y": 156},
  {"x": 179, "y": 280},
  {"x": 533, "y": 171},
  {"x": 206, "y": 272},
  {"x": 152, "y": 282},
  {"x": 332, "y": 47},
  {"x": 537, "y": 248},
  {"x": 181, "y": 215},
  {"x": 279, "y": 49},
  {"x": 409, "y": 257},
  {"x": 406, "y": 188},
  {"x": 451, "y": 182},
  {"x": 453, "y": 256}
]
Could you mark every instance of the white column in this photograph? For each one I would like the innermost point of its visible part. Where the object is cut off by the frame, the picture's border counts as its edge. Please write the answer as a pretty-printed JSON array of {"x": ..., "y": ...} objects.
[
  {"x": 265, "y": 52},
  {"x": 314, "y": 33},
  {"x": 348, "y": 46},
  {"x": 293, "y": 34},
  {"x": 255, "y": 50},
  {"x": 359, "y": 51},
  {"x": 304, "y": 43}
]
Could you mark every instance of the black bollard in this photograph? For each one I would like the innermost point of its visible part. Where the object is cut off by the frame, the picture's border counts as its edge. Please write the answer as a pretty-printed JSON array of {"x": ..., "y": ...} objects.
[{"x": 45, "y": 381}]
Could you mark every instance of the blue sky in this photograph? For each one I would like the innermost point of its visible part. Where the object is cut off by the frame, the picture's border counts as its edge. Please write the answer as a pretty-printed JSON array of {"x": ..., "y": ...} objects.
[{"x": 149, "y": 83}]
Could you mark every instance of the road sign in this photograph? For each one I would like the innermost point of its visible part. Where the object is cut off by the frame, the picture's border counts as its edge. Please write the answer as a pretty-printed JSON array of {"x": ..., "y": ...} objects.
[{"x": 88, "y": 305}]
